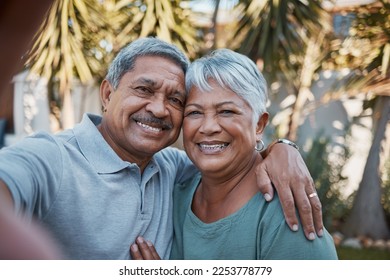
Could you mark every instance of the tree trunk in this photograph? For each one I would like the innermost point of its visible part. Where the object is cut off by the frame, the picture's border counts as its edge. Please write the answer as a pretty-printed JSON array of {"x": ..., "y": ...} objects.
[
  {"x": 367, "y": 216},
  {"x": 67, "y": 114},
  {"x": 214, "y": 20},
  {"x": 309, "y": 67}
]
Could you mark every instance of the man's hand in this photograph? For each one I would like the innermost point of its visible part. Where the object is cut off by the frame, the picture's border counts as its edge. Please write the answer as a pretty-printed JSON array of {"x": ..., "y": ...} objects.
[
  {"x": 285, "y": 169},
  {"x": 20, "y": 240},
  {"x": 143, "y": 250}
]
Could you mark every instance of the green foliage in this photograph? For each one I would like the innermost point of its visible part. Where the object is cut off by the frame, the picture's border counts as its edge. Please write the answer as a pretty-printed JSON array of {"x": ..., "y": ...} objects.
[
  {"x": 325, "y": 166},
  {"x": 366, "y": 51},
  {"x": 277, "y": 33},
  {"x": 386, "y": 190},
  {"x": 346, "y": 253}
]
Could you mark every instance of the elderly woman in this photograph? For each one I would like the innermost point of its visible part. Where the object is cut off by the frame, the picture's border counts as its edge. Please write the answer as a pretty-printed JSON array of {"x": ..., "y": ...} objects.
[{"x": 220, "y": 213}]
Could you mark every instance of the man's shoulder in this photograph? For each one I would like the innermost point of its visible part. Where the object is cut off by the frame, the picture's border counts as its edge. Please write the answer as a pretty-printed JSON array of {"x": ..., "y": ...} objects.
[
  {"x": 188, "y": 186},
  {"x": 171, "y": 150},
  {"x": 170, "y": 154},
  {"x": 39, "y": 140}
]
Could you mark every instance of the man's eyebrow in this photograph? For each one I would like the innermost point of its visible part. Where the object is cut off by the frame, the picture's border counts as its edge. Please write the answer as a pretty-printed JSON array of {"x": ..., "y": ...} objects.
[
  {"x": 152, "y": 83},
  {"x": 147, "y": 81},
  {"x": 177, "y": 92}
]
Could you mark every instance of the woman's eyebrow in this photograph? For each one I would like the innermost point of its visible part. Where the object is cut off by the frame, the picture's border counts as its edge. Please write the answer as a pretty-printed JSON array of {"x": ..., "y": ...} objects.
[
  {"x": 217, "y": 105},
  {"x": 226, "y": 103},
  {"x": 193, "y": 104}
]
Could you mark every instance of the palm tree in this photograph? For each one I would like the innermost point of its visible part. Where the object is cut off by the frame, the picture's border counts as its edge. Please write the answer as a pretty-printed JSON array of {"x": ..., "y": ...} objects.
[
  {"x": 285, "y": 38},
  {"x": 58, "y": 52},
  {"x": 367, "y": 217},
  {"x": 79, "y": 38},
  {"x": 370, "y": 75}
]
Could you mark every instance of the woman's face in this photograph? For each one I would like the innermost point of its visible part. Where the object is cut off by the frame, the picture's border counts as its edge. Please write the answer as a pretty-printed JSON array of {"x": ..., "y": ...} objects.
[{"x": 218, "y": 130}]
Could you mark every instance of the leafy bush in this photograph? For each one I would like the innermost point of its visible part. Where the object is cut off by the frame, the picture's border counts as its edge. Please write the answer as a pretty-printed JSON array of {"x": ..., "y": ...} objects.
[
  {"x": 386, "y": 190},
  {"x": 325, "y": 163},
  {"x": 346, "y": 253}
]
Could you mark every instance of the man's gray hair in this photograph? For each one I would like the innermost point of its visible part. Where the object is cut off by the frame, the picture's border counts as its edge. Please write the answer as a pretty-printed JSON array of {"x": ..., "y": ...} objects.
[
  {"x": 149, "y": 46},
  {"x": 232, "y": 71}
]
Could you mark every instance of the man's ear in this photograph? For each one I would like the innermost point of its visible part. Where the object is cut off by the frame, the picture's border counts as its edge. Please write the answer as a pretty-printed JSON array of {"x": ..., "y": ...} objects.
[
  {"x": 261, "y": 124},
  {"x": 105, "y": 93}
]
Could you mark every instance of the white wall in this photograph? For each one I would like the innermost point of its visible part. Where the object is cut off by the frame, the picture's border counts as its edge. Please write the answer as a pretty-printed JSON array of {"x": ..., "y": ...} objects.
[{"x": 31, "y": 107}]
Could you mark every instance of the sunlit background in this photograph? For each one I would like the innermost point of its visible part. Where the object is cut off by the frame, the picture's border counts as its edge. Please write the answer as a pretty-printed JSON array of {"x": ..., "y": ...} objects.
[{"x": 326, "y": 63}]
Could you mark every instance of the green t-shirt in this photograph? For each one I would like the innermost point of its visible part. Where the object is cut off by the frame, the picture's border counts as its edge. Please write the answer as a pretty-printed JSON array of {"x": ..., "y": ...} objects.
[{"x": 256, "y": 231}]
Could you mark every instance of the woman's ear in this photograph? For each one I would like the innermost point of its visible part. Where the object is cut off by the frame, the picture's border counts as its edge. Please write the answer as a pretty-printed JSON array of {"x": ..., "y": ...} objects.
[
  {"x": 105, "y": 93},
  {"x": 261, "y": 124}
]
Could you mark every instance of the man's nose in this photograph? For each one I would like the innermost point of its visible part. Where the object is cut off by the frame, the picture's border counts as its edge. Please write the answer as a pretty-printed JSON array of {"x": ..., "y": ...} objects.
[{"x": 158, "y": 107}]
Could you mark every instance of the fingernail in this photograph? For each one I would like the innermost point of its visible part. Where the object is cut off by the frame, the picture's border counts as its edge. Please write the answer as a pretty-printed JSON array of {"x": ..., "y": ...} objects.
[
  {"x": 134, "y": 247},
  {"x": 320, "y": 233},
  {"x": 295, "y": 227},
  {"x": 150, "y": 244},
  {"x": 140, "y": 239},
  {"x": 267, "y": 197},
  {"x": 312, "y": 236}
]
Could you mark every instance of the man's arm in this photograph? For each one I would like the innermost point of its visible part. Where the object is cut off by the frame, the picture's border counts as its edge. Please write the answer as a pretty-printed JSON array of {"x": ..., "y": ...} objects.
[
  {"x": 284, "y": 168},
  {"x": 19, "y": 240},
  {"x": 6, "y": 201}
]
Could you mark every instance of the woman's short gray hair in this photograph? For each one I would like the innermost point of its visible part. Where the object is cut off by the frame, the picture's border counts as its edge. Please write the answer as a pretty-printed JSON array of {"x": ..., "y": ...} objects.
[
  {"x": 149, "y": 46},
  {"x": 232, "y": 71}
]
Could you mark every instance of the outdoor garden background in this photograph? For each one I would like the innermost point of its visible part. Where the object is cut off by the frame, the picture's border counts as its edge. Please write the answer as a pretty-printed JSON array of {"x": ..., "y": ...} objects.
[{"x": 327, "y": 64}]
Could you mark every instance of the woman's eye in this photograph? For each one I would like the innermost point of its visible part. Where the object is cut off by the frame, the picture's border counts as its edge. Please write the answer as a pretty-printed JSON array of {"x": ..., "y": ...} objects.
[
  {"x": 192, "y": 113},
  {"x": 226, "y": 112}
]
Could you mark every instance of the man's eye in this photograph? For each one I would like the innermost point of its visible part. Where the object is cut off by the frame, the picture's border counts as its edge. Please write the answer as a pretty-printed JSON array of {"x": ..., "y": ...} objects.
[
  {"x": 177, "y": 101},
  {"x": 143, "y": 90}
]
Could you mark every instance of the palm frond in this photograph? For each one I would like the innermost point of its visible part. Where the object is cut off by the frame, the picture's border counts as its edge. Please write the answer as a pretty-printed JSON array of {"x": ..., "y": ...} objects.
[{"x": 277, "y": 33}]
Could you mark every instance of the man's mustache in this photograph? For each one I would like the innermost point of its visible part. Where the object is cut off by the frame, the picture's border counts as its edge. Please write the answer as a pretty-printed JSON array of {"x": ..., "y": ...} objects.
[{"x": 150, "y": 120}]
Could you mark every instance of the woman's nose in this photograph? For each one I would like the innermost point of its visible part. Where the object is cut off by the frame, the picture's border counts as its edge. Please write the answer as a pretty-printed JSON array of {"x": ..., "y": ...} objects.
[{"x": 210, "y": 125}]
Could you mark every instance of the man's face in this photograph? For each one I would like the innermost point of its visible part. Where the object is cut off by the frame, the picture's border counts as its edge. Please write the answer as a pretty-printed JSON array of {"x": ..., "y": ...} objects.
[{"x": 144, "y": 114}]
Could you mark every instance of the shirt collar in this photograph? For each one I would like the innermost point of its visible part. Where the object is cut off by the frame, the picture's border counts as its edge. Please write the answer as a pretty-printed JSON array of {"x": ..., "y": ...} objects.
[{"x": 95, "y": 149}]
